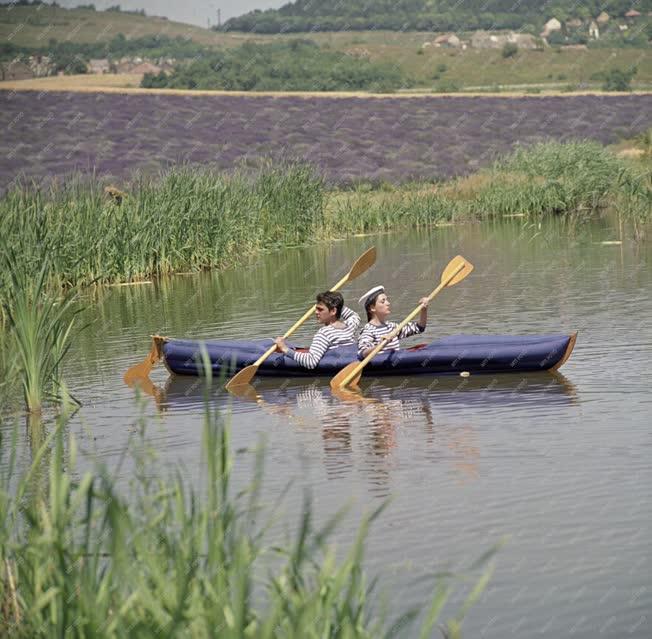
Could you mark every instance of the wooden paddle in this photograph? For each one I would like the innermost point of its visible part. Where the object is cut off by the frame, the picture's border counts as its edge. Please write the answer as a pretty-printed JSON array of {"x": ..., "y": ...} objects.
[
  {"x": 244, "y": 376},
  {"x": 458, "y": 268}
]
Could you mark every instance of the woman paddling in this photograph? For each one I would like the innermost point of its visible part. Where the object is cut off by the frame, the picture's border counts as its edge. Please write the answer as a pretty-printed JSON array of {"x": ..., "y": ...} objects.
[
  {"x": 339, "y": 325},
  {"x": 378, "y": 308}
]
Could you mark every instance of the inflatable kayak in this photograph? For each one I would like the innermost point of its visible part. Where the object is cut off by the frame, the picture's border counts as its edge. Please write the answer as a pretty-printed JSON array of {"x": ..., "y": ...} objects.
[{"x": 451, "y": 355}]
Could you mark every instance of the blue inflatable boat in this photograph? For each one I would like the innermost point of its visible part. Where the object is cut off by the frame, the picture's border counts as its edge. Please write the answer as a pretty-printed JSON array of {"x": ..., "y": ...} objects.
[{"x": 452, "y": 355}]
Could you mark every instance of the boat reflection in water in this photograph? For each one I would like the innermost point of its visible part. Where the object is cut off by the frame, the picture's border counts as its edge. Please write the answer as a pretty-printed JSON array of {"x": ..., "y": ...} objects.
[{"x": 438, "y": 417}]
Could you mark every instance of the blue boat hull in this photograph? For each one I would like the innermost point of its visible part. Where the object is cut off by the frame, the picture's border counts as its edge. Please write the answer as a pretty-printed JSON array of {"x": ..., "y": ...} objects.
[{"x": 489, "y": 354}]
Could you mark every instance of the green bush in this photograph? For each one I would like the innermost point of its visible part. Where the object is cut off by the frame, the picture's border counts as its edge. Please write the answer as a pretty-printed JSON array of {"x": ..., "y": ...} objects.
[
  {"x": 509, "y": 50},
  {"x": 619, "y": 79},
  {"x": 154, "y": 80}
]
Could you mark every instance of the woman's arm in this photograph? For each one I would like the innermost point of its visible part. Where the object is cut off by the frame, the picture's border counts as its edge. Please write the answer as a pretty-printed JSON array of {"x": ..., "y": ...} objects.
[{"x": 366, "y": 341}]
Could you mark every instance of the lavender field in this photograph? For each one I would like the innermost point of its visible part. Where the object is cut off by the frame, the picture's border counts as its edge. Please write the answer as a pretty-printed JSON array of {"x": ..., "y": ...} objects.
[{"x": 48, "y": 134}]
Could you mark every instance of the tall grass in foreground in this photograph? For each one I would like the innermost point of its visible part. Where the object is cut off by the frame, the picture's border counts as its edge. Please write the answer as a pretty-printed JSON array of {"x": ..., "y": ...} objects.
[
  {"x": 40, "y": 326},
  {"x": 79, "y": 560}
]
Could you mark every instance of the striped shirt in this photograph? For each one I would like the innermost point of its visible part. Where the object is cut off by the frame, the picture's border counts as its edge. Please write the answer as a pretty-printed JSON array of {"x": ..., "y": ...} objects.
[
  {"x": 327, "y": 338},
  {"x": 371, "y": 335}
]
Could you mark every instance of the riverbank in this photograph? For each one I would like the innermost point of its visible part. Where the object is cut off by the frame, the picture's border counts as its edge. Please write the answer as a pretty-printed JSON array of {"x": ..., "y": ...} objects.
[{"x": 194, "y": 219}]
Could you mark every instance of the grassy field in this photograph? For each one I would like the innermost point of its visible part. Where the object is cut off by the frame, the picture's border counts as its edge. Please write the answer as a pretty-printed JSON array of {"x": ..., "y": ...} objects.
[
  {"x": 432, "y": 68},
  {"x": 34, "y": 26},
  {"x": 130, "y": 83}
]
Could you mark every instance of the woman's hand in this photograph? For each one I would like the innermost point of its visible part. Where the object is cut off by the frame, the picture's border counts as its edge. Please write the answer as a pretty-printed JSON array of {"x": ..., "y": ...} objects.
[
  {"x": 423, "y": 314},
  {"x": 281, "y": 346}
]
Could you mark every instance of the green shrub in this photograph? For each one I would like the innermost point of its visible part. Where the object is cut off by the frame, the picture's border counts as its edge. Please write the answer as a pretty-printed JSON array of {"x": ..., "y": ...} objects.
[
  {"x": 509, "y": 50},
  {"x": 619, "y": 79}
]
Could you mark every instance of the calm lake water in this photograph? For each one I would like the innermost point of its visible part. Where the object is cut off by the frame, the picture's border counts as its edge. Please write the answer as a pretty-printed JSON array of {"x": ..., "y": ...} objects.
[{"x": 560, "y": 464}]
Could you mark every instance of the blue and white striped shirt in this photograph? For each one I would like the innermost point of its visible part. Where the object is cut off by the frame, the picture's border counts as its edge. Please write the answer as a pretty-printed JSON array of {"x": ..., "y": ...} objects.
[
  {"x": 371, "y": 335},
  {"x": 327, "y": 338}
]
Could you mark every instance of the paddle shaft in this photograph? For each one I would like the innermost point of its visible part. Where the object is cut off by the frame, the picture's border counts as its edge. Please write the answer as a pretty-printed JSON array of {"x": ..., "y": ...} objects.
[
  {"x": 397, "y": 330},
  {"x": 294, "y": 327}
]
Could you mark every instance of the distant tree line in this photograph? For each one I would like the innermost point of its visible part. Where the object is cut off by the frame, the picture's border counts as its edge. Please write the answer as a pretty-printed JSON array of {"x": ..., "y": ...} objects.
[
  {"x": 297, "y": 65},
  {"x": 422, "y": 15}
]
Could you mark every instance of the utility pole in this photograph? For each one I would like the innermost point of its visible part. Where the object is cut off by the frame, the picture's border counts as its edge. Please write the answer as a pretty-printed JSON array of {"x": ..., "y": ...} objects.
[{"x": 219, "y": 18}]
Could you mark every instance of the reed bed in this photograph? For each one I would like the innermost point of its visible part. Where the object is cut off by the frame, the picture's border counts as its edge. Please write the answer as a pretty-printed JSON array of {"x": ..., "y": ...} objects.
[
  {"x": 187, "y": 219},
  {"x": 191, "y": 219},
  {"x": 574, "y": 178},
  {"x": 79, "y": 560},
  {"x": 563, "y": 179}
]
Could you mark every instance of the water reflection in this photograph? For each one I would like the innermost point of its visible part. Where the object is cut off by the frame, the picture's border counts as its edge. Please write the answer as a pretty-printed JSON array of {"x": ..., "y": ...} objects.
[{"x": 365, "y": 429}]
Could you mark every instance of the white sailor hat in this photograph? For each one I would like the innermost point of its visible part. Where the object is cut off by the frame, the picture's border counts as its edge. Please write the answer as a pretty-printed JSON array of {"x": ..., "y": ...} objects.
[{"x": 370, "y": 293}]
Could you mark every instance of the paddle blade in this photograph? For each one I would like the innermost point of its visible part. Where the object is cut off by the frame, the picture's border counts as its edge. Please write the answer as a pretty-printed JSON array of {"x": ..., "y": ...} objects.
[
  {"x": 346, "y": 395},
  {"x": 338, "y": 381},
  {"x": 141, "y": 371},
  {"x": 366, "y": 260},
  {"x": 242, "y": 377},
  {"x": 244, "y": 391},
  {"x": 458, "y": 268}
]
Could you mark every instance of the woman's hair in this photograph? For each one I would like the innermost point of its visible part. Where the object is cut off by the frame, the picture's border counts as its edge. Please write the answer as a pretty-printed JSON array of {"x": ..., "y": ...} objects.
[
  {"x": 369, "y": 303},
  {"x": 332, "y": 300}
]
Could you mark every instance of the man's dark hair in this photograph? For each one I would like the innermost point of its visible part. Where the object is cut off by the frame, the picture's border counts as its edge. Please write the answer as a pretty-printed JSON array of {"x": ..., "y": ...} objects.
[{"x": 332, "y": 300}]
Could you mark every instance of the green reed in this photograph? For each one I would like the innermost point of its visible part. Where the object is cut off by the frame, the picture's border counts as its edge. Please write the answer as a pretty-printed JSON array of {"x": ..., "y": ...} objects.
[
  {"x": 574, "y": 178},
  {"x": 186, "y": 219},
  {"x": 40, "y": 326},
  {"x": 564, "y": 179},
  {"x": 79, "y": 560}
]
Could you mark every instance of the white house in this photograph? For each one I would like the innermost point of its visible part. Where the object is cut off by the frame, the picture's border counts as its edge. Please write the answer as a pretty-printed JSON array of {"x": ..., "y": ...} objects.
[{"x": 552, "y": 25}]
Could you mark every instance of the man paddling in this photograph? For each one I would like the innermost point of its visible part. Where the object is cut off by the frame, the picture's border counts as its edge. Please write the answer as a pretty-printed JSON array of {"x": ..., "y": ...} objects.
[{"x": 339, "y": 325}]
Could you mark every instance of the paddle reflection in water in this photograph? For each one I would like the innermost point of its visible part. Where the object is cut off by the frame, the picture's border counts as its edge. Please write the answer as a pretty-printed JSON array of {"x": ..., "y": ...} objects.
[{"x": 365, "y": 429}]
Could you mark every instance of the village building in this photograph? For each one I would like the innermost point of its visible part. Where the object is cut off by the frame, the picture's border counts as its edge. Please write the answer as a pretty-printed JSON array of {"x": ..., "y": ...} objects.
[
  {"x": 15, "y": 70},
  {"x": 98, "y": 65},
  {"x": 552, "y": 25},
  {"x": 603, "y": 18},
  {"x": 41, "y": 65},
  {"x": 484, "y": 40},
  {"x": 575, "y": 23},
  {"x": 449, "y": 40},
  {"x": 146, "y": 67},
  {"x": 632, "y": 13},
  {"x": 594, "y": 31}
]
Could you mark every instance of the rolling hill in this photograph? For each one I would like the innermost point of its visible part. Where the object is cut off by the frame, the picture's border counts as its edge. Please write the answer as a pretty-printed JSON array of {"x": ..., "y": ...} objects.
[{"x": 423, "y": 15}]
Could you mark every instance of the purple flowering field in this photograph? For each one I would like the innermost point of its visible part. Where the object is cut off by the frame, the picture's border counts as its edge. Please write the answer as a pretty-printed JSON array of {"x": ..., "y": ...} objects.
[{"x": 395, "y": 139}]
